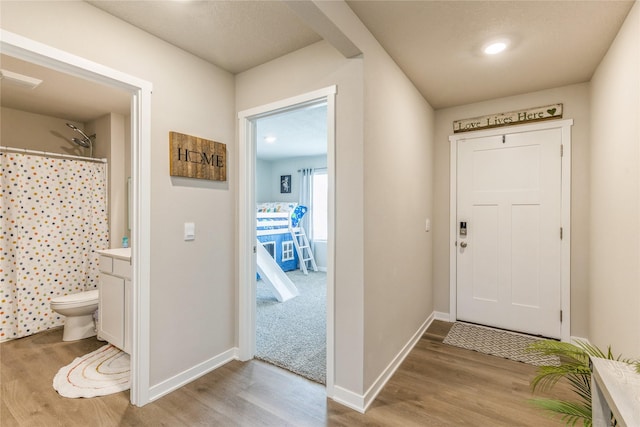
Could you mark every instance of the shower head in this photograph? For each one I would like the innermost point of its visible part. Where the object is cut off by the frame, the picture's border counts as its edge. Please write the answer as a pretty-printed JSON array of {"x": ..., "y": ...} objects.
[
  {"x": 81, "y": 142},
  {"x": 86, "y": 141},
  {"x": 77, "y": 129}
]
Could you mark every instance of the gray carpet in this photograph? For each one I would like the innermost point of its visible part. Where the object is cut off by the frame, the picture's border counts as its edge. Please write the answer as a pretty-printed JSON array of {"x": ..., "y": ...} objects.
[
  {"x": 497, "y": 342},
  {"x": 292, "y": 334}
]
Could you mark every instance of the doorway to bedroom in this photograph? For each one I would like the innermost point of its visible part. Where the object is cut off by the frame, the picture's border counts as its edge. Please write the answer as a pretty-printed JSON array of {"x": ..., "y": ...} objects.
[
  {"x": 291, "y": 194},
  {"x": 247, "y": 221}
]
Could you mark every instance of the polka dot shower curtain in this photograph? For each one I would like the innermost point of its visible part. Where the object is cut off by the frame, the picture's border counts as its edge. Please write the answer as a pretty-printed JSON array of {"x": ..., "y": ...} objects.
[{"x": 53, "y": 219}]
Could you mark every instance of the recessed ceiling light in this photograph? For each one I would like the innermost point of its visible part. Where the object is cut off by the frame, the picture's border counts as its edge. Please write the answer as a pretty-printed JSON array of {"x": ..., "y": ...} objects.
[
  {"x": 270, "y": 139},
  {"x": 495, "y": 47}
]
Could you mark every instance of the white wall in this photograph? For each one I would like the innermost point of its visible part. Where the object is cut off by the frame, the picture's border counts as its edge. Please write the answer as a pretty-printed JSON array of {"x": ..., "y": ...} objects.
[
  {"x": 575, "y": 100},
  {"x": 21, "y": 129},
  {"x": 398, "y": 173},
  {"x": 193, "y": 309},
  {"x": 287, "y": 167},
  {"x": 109, "y": 143},
  {"x": 614, "y": 262},
  {"x": 263, "y": 181}
]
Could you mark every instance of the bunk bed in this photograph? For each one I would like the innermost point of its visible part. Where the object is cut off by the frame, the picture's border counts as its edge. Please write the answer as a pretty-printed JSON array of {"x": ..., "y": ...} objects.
[
  {"x": 273, "y": 222},
  {"x": 279, "y": 231}
]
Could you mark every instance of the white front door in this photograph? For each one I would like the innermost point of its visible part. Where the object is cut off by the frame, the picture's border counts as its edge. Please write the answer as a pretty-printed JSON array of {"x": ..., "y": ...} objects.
[{"x": 509, "y": 205}]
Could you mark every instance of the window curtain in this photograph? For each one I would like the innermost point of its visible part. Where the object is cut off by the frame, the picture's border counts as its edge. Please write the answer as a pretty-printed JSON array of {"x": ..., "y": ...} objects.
[
  {"x": 306, "y": 197},
  {"x": 53, "y": 219}
]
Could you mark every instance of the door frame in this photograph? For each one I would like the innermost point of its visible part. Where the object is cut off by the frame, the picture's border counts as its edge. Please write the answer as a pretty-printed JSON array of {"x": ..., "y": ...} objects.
[
  {"x": 38, "y": 53},
  {"x": 565, "y": 280},
  {"x": 247, "y": 221}
]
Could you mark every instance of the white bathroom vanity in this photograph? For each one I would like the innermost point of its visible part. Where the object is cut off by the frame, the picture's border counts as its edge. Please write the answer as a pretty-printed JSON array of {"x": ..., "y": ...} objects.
[{"x": 115, "y": 310}]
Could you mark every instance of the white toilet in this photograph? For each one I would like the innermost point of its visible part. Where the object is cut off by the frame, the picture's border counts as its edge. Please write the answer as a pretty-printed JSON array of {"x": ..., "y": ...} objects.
[{"x": 78, "y": 309}]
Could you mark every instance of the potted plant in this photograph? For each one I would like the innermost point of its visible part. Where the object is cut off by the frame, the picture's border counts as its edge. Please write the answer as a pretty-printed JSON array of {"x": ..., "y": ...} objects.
[{"x": 573, "y": 366}]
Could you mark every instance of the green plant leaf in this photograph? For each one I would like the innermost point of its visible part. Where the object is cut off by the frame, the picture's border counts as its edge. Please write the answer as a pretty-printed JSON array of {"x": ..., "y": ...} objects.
[
  {"x": 568, "y": 352},
  {"x": 569, "y": 412},
  {"x": 574, "y": 367},
  {"x": 547, "y": 376}
]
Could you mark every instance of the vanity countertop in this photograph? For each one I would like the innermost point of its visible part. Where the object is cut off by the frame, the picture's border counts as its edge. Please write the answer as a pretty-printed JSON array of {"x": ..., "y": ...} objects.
[{"x": 118, "y": 253}]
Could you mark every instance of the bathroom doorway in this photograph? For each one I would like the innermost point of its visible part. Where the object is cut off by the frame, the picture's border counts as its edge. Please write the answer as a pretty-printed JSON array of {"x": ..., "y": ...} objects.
[{"x": 23, "y": 49}]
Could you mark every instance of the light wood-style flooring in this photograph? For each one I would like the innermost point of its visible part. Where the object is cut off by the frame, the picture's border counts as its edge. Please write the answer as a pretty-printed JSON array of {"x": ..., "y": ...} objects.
[{"x": 437, "y": 385}]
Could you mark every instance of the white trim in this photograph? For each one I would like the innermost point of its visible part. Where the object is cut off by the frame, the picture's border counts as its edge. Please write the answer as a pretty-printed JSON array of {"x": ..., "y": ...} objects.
[
  {"x": 349, "y": 399},
  {"x": 185, "y": 377},
  {"x": 453, "y": 209},
  {"x": 439, "y": 315},
  {"x": 246, "y": 239},
  {"x": 51, "y": 154},
  {"x": 247, "y": 221},
  {"x": 272, "y": 232},
  {"x": 361, "y": 403},
  {"x": 331, "y": 236},
  {"x": 29, "y": 50},
  {"x": 573, "y": 340},
  {"x": 565, "y": 286},
  {"x": 388, "y": 372},
  {"x": 565, "y": 245}
]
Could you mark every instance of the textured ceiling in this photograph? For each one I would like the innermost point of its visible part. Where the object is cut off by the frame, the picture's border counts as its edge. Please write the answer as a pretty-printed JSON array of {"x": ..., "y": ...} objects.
[
  {"x": 436, "y": 43},
  {"x": 234, "y": 35}
]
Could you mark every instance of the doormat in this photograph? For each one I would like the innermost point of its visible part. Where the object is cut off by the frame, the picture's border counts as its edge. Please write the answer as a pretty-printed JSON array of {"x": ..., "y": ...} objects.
[
  {"x": 106, "y": 370},
  {"x": 509, "y": 345}
]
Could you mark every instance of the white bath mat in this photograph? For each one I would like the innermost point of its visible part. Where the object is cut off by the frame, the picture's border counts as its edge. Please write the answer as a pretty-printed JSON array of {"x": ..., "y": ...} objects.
[{"x": 104, "y": 371}]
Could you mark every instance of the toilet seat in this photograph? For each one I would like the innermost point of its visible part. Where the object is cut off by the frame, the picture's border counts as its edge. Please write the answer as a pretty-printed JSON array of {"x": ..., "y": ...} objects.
[{"x": 76, "y": 300}]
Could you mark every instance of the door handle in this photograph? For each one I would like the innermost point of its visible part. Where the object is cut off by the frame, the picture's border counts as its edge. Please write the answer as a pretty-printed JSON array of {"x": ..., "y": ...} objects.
[{"x": 463, "y": 244}]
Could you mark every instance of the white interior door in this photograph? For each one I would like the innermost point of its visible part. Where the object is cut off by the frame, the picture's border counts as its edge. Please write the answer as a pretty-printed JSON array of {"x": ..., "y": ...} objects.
[{"x": 509, "y": 261}]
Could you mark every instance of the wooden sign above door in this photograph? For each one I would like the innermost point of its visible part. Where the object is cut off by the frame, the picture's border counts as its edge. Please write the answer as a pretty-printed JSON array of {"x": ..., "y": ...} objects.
[
  {"x": 508, "y": 119},
  {"x": 195, "y": 157}
]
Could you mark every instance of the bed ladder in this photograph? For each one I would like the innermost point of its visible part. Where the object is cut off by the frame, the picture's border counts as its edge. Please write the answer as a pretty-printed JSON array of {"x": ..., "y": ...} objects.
[{"x": 303, "y": 248}]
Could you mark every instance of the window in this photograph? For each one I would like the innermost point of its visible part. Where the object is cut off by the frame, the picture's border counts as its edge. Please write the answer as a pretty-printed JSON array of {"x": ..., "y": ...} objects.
[
  {"x": 271, "y": 248},
  {"x": 319, "y": 203},
  {"x": 287, "y": 250}
]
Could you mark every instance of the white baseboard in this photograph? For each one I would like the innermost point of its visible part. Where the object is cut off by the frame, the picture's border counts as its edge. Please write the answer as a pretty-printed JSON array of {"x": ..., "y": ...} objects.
[
  {"x": 359, "y": 402},
  {"x": 440, "y": 315},
  {"x": 191, "y": 374},
  {"x": 348, "y": 398},
  {"x": 574, "y": 339},
  {"x": 386, "y": 375}
]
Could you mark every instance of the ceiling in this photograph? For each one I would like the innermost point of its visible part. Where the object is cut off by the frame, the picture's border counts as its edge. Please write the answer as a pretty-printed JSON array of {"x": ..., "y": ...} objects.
[
  {"x": 436, "y": 43},
  {"x": 60, "y": 95},
  {"x": 293, "y": 133}
]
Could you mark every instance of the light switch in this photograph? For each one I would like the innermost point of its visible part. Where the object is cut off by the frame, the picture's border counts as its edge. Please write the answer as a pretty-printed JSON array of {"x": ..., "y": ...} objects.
[
  {"x": 189, "y": 231},
  {"x": 427, "y": 225}
]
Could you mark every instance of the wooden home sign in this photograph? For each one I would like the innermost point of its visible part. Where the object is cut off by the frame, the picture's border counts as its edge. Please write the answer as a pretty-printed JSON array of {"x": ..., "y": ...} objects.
[
  {"x": 507, "y": 119},
  {"x": 195, "y": 157}
]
